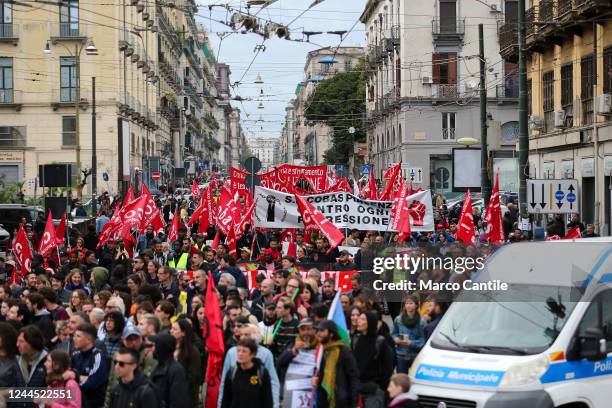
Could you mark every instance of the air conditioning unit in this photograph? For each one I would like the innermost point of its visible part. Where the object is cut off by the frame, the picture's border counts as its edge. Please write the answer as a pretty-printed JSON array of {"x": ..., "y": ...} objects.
[
  {"x": 426, "y": 80},
  {"x": 536, "y": 122},
  {"x": 604, "y": 104},
  {"x": 559, "y": 119}
]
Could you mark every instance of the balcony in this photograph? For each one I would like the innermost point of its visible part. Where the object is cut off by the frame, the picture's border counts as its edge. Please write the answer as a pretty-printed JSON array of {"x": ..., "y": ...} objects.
[
  {"x": 445, "y": 91},
  {"x": 447, "y": 30},
  {"x": 589, "y": 8},
  {"x": 508, "y": 41},
  {"x": 72, "y": 31},
  {"x": 9, "y": 33},
  {"x": 66, "y": 97},
  {"x": 531, "y": 16},
  {"x": 396, "y": 35},
  {"x": 507, "y": 91},
  {"x": 10, "y": 98}
]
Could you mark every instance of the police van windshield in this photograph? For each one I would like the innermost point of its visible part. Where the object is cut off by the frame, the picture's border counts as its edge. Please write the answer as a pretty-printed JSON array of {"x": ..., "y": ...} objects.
[{"x": 522, "y": 320}]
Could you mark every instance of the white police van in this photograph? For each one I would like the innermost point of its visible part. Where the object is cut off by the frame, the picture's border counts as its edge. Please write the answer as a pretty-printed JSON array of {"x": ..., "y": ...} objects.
[{"x": 545, "y": 342}]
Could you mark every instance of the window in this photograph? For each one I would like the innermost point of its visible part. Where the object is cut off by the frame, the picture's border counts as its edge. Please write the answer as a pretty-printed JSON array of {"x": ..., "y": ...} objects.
[
  {"x": 68, "y": 131},
  {"x": 444, "y": 70},
  {"x": 68, "y": 79},
  {"x": 586, "y": 89},
  {"x": 608, "y": 70},
  {"x": 69, "y": 18},
  {"x": 348, "y": 65},
  {"x": 511, "y": 11},
  {"x": 12, "y": 136},
  {"x": 448, "y": 16},
  {"x": 448, "y": 125},
  {"x": 6, "y": 24},
  {"x": 6, "y": 80},
  {"x": 567, "y": 92},
  {"x": 599, "y": 315},
  {"x": 548, "y": 102}
]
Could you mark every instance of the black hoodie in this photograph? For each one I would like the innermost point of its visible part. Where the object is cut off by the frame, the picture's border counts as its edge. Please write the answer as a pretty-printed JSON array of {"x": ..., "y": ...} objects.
[
  {"x": 169, "y": 376},
  {"x": 374, "y": 358},
  {"x": 139, "y": 393}
]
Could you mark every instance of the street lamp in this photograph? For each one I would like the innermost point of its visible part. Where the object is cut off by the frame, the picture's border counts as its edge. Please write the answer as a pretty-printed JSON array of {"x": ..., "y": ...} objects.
[
  {"x": 90, "y": 49},
  {"x": 467, "y": 141}
]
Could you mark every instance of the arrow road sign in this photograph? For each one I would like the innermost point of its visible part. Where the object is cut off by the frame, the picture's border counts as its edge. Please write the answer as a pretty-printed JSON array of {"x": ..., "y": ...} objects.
[{"x": 552, "y": 196}]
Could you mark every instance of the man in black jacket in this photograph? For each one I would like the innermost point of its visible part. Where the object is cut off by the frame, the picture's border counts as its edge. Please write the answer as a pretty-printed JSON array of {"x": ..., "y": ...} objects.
[
  {"x": 89, "y": 364},
  {"x": 41, "y": 317},
  {"x": 336, "y": 353},
  {"x": 133, "y": 389},
  {"x": 169, "y": 376}
]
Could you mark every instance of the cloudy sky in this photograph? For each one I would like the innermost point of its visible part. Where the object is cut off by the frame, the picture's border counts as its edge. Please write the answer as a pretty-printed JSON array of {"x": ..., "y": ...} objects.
[{"x": 281, "y": 65}]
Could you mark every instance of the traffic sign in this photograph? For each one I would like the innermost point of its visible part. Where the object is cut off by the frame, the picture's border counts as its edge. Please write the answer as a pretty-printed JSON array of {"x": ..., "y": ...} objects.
[
  {"x": 414, "y": 174},
  {"x": 252, "y": 165},
  {"x": 365, "y": 169},
  {"x": 155, "y": 175},
  {"x": 552, "y": 196},
  {"x": 105, "y": 176}
]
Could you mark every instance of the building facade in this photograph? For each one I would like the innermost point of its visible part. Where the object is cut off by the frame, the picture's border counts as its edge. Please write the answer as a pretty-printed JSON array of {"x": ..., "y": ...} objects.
[
  {"x": 423, "y": 84},
  {"x": 313, "y": 140},
  {"x": 152, "y": 77},
  {"x": 264, "y": 150},
  {"x": 569, "y": 72}
]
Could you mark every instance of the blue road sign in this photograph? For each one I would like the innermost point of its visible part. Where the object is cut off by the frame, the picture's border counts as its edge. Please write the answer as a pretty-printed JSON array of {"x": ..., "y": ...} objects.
[
  {"x": 559, "y": 195},
  {"x": 365, "y": 169},
  {"x": 105, "y": 176},
  {"x": 571, "y": 197}
]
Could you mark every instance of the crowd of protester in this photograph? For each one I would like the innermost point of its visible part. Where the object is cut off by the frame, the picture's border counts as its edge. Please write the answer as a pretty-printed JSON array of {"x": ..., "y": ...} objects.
[{"x": 121, "y": 330}]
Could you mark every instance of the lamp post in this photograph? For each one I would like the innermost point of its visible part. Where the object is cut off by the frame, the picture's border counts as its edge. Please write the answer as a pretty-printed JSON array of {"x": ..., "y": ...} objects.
[{"x": 90, "y": 49}]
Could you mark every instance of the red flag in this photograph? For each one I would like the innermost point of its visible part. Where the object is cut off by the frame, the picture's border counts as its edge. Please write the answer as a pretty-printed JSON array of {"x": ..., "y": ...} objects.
[
  {"x": 230, "y": 241},
  {"x": 215, "y": 242},
  {"x": 150, "y": 208},
  {"x": 129, "y": 196},
  {"x": 49, "y": 240},
  {"x": 158, "y": 222},
  {"x": 253, "y": 243},
  {"x": 213, "y": 181},
  {"x": 109, "y": 228},
  {"x": 227, "y": 215},
  {"x": 128, "y": 241},
  {"x": 196, "y": 214},
  {"x": 132, "y": 215},
  {"x": 60, "y": 232},
  {"x": 465, "y": 227},
  {"x": 493, "y": 216},
  {"x": 174, "y": 227},
  {"x": 370, "y": 191},
  {"x": 214, "y": 344},
  {"x": 292, "y": 248},
  {"x": 247, "y": 218},
  {"x": 314, "y": 218},
  {"x": 573, "y": 233},
  {"x": 22, "y": 251},
  {"x": 400, "y": 216},
  {"x": 195, "y": 189},
  {"x": 392, "y": 176}
]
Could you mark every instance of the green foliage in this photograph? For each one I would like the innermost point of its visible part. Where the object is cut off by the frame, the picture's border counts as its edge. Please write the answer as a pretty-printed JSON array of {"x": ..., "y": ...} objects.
[
  {"x": 8, "y": 194},
  {"x": 339, "y": 102}
]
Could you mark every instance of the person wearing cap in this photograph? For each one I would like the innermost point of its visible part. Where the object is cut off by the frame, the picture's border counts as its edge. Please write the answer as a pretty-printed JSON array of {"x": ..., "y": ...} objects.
[
  {"x": 245, "y": 256},
  {"x": 344, "y": 262},
  {"x": 145, "y": 240},
  {"x": 146, "y": 363},
  {"x": 337, "y": 379},
  {"x": 304, "y": 346},
  {"x": 268, "y": 322},
  {"x": 169, "y": 376}
]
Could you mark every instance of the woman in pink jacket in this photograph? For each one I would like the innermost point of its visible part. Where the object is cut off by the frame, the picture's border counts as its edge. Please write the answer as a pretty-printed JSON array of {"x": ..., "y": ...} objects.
[{"x": 65, "y": 394}]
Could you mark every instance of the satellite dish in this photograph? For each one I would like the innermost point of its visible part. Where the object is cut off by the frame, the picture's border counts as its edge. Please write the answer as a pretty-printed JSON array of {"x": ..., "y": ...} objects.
[{"x": 471, "y": 84}]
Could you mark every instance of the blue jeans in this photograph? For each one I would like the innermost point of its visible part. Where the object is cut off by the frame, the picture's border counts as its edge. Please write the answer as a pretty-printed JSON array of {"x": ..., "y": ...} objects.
[{"x": 403, "y": 364}]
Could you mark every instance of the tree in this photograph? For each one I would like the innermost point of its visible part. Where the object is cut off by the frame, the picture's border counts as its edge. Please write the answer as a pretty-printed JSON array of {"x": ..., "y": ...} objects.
[{"x": 339, "y": 102}]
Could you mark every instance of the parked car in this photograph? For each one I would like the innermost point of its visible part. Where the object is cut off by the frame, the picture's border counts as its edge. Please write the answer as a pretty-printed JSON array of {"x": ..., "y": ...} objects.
[{"x": 11, "y": 215}]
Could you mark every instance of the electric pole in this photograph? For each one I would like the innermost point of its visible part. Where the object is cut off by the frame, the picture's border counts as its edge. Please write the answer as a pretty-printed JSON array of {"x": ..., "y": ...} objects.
[
  {"x": 523, "y": 119},
  {"x": 485, "y": 184}
]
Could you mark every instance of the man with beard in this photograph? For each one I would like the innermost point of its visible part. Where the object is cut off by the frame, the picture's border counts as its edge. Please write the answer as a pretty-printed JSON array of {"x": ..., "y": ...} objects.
[
  {"x": 158, "y": 255},
  {"x": 211, "y": 263},
  {"x": 146, "y": 239},
  {"x": 266, "y": 326},
  {"x": 267, "y": 295},
  {"x": 73, "y": 263},
  {"x": 337, "y": 379},
  {"x": 304, "y": 347}
]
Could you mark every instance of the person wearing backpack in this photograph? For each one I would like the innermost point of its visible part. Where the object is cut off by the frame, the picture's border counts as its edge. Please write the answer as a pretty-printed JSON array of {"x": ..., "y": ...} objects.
[
  {"x": 133, "y": 389},
  {"x": 408, "y": 334},
  {"x": 374, "y": 361},
  {"x": 248, "y": 384}
]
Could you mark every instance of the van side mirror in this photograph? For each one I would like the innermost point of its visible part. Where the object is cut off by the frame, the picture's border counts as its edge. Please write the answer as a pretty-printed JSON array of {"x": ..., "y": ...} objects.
[{"x": 593, "y": 344}]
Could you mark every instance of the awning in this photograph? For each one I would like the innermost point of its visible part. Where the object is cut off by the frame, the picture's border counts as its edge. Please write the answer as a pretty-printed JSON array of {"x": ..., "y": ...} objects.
[{"x": 328, "y": 60}]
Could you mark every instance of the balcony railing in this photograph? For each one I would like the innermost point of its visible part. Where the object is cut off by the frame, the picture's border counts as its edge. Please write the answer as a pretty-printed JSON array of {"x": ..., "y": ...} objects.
[
  {"x": 67, "y": 97},
  {"x": 66, "y": 31},
  {"x": 9, "y": 32},
  {"x": 547, "y": 10},
  {"x": 531, "y": 16},
  {"x": 508, "y": 40},
  {"x": 445, "y": 91},
  {"x": 506, "y": 91},
  {"x": 7, "y": 97},
  {"x": 447, "y": 29},
  {"x": 448, "y": 133},
  {"x": 564, "y": 7}
]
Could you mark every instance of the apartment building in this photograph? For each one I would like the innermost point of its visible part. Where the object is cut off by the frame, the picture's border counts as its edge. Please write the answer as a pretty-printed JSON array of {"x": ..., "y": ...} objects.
[
  {"x": 313, "y": 140},
  {"x": 423, "y": 85},
  {"x": 288, "y": 144},
  {"x": 263, "y": 149},
  {"x": 148, "y": 68},
  {"x": 569, "y": 70}
]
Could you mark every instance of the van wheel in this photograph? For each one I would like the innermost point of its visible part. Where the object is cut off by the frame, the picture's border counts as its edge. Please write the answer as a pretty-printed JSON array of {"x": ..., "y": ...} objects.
[{"x": 574, "y": 405}]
